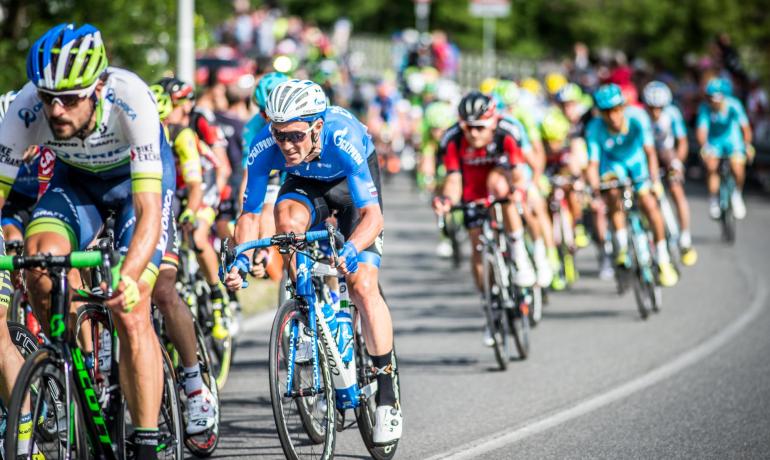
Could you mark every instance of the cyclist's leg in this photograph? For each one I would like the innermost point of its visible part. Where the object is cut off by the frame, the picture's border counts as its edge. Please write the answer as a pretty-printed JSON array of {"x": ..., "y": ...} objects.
[
  {"x": 738, "y": 167},
  {"x": 10, "y": 358},
  {"x": 522, "y": 180},
  {"x": 609, "y": 170},
  {"x": 711, "y": 162}
]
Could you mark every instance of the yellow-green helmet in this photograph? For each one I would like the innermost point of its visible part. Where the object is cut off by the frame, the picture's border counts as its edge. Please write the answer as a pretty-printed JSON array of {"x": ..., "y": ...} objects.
[
  {"x": 163, "y": 100},
  {"x": 439, "y": 115},
  {"x": 66, "y": 58},
  {"x": 555, "y": 126}
]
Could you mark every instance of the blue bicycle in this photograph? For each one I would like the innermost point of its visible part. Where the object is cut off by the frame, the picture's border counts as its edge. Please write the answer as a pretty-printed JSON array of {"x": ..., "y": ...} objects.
[{"x": 315, "y": 376}]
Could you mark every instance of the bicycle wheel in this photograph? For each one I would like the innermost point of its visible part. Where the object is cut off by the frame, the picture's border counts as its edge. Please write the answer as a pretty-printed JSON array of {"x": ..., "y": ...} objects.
[
  {"x": 203, "y": 444},
  {"x": 365, "y": 412},
  {"x": 220, "y": 350},
  {"x": 518, "y": 320},
  {"x": 493, "y": 311},
  {"x": 54, "y": 433},
  {"x": 18, "y": 310},
  {"x": 305, "y": 420},
  {"x": 642, "y": 294},
  {"x": 171, "y": 434},
  {"x": 25, "y": 341}
]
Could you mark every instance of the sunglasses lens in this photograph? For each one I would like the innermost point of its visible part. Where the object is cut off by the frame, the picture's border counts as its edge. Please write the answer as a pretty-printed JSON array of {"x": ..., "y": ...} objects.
[
  {"x": 290, "y": 136},
  {"x": 67, "y": 100}
]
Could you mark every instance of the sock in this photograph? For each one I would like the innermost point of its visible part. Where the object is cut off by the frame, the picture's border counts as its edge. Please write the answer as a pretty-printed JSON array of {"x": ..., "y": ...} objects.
[
  {"x": 713, "y": 200},
  {"x": 662, "y": 251},
  {"x": 539, "y": 249},
  {"x": 24, "y": 438},
  {"x": 145, "y": 442},
  {"x": 621, "y": 238},
  {"x": 685, "y": 239},
  {"x": 519, "y": 248},
  {"x": 217, "y": 296},
  {"x": 192, "y": 379},
  {"x": 386, "y": 381}
]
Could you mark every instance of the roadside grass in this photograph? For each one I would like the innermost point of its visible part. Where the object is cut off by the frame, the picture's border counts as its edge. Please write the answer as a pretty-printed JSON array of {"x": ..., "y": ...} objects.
[{"x": 261, "y": 295}]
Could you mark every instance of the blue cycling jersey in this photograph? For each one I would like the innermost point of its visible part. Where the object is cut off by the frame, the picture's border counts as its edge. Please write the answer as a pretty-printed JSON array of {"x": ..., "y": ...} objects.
[
  {"x": 345, "y": 148},
  {"x": 250, "y": 131},
  {"x": 668, "y": 128},
  {"x": 623, "y": 146},
  {"x": 724, "y": 126}
]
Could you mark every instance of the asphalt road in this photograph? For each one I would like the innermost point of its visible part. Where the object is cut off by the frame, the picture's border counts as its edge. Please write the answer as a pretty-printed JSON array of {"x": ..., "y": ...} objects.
[{"x": 690, "y": 382}]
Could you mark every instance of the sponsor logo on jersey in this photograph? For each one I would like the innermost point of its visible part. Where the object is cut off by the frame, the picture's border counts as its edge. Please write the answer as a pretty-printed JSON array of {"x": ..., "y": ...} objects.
[
  {"x": 107, "y": 157},
  {"x": 145, "y": 153},
  {"x": 346, "y": 146},
  {"x": 123, "y": 105},
  {"x": 373, "y": 190},
  {"x": 165, "y": 220},
  {"x": 47, "y": 162},
  {"x": 260, "y": 147},
  {"x": 6, "y": 158},
  {"x": 27, "y": 116}
]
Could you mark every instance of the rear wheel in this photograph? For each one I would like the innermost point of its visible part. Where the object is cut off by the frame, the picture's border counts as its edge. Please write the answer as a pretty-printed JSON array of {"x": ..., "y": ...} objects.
[
  {"x": 642, "y": 293},
  {"x": 518, "y": 319}
]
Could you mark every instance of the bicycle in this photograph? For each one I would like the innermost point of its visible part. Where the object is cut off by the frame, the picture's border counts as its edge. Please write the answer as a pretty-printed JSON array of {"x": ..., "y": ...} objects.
[
  {"x": 563, "y": 230},
  {"x": 506, "y": 306},
  {"x": 195, "y": 292},
  {"x": 726, "y": 189},
  {"x": 450, "y": 226},
  {"x": 306, "y": 391},
  {"x": 670, "y": 221},
  {"x": 70, "y": 417},
  {"x": 640, "y": 264},
  {"x": 21, "y": 310}
]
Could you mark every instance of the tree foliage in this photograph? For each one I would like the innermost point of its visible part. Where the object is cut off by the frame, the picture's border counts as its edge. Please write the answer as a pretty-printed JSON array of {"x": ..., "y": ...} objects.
[{"x": 140, "y": 34}]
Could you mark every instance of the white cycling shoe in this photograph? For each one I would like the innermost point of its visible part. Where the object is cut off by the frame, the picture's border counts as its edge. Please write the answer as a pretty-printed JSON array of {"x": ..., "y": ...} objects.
[
  {"x": 387, "y": 425},
  {"x": 444, "y": 249},
  {"x": 201, "y": 411},
  {"x": 488, "y": 341},
  {"x": 739, "y": 207},
  {"x": 715, "y": 212},
  {"x": 525, "y": 272},
  {"x": 544, "y": 272}
]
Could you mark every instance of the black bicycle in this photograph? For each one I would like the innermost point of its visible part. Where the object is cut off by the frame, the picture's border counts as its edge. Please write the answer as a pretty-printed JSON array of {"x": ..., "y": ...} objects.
[{"x": 60, "y": 406}]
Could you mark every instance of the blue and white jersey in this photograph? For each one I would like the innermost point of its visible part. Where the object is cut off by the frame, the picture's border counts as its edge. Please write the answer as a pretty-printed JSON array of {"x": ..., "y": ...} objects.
[
  {"x": 622, "y": 146},
  {"x": 27, "y": 182},
  {"x": 668, "y": 128},
  {"x": 345, "y": 149}
]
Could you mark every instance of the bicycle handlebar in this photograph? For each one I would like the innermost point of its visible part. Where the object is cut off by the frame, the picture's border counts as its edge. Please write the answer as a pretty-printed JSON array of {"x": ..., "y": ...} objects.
[{"x": 76, "y": 259}]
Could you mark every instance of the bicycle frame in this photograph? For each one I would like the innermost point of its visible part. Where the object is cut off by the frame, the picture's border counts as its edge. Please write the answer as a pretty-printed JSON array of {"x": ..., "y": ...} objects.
[
  {"x": 638, "y": 233},
  {"x": 305, "y": 293}
]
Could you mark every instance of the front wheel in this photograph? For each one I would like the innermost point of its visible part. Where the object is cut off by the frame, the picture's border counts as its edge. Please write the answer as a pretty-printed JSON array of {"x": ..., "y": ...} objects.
[
  {"x": 305, "y": 415},
  {"x": 494, "y": 313},
  {"x": 641, "y": 279},
  {"x": 518, "y": 318},
  {"x": 41, "y": 391}
]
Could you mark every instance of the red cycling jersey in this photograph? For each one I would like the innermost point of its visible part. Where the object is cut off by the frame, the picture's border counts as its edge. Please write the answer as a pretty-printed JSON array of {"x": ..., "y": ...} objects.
[{"x": 475, "y": 164}]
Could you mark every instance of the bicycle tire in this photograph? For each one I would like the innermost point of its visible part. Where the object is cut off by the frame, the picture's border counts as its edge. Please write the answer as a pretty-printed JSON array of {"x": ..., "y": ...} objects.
[
  {"x": 54, "y": 424},
  {"x": 17, "y": 312},
  {"x": 220, "y": 351},
  {"x": 204, "y": 444},
  {"x": 519, "y": 324},
  {"x": 171, "y": 431},
  {"x": 365, "y": 412},
  {"x": 493, "y": 312},
  {"x": 641, "y": 294},
  {"x": 307, "y": 407},
  {"x": 727, "y": 218}
]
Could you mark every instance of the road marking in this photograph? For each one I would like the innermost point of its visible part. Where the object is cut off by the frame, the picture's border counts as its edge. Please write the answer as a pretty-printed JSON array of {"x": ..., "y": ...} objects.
[{"x": 503, "y": 438}]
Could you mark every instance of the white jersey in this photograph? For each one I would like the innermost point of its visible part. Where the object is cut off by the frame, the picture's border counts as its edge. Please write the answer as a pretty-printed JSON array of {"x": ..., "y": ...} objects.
[{"x": 125, "y": 142}]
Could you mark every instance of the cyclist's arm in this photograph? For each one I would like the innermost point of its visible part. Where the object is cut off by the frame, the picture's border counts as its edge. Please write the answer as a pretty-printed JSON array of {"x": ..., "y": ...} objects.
[
  {"x": 143, "y": 133},
  {"x": 366, "y": 198},
  {"x": 223, "y": 169},
  {"x": 453, "y": 185},
  {"x": 593, "y": 148},
  {"x": 15, "y": 137},
  {"x": 648, "y": 144},
  {"x": 186, "y": 147},
  {"x": 680, "y": 132}
]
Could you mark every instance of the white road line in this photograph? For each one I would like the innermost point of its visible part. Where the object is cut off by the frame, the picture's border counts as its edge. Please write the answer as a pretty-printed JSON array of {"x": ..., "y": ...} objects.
[{"x": 475, "y": 449}]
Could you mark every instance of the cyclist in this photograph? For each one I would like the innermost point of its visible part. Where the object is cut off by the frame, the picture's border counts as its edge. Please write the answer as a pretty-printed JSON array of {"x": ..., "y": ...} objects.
[
  {"x": 723, "y": 131},
  {"x": 576, "y": 106},
  {"x": 201, "y": 404},
  {"x": 203, "y": 190},
  {"x": 671, "y": 145},
  {"x": 565, "y": 157},
  {"x": 479, "y": 155},
  {"x": 103, "y": 125},
  {"x": 621, "y": 145},
  {"x": 331, "y": 165}
]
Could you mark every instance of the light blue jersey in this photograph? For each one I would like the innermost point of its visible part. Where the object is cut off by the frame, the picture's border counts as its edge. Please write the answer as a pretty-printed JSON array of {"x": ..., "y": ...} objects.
[
  {"x": 725, "y": 137},
  {"x": 668, "y": 128}
]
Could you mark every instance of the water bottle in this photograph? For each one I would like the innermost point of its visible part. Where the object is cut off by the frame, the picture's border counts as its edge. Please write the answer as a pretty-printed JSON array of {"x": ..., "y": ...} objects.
[
  {"x": 347, "y": 392},
  {"x": 105, "y": 351},
  {"x": 330, "y": 316}
]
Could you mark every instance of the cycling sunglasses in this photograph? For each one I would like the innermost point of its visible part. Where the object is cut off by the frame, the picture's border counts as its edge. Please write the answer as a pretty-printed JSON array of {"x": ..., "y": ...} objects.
[
  {"x": 295, "y": 137},
  {"x": 478, "y": 125},
  {"x": 65, "y": 98}
]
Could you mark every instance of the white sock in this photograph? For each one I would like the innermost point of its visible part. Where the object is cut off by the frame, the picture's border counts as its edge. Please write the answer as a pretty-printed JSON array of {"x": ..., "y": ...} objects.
[
  {"x": 519, "y": 248},
  {"x": 662, "y": 251},
  {"x": 621, "y": 238},
  {"x": 539, "y": 249},
  {"x": 685, "y": 239},
  {"x": 713, "y": 200},
  {"x": 192, "y": 379}
]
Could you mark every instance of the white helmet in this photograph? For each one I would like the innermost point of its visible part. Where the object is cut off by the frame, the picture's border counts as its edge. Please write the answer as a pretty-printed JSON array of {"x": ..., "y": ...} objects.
[
  {"x": 5, "y": 102},
  {"x": 657, "y": 94},
  {"x": 296, "y": 100}
]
